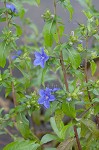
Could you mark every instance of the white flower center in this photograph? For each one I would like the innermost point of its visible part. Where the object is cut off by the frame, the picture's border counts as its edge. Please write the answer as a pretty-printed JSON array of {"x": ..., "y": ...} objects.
[
  {"x": 42, "y": 57},
  {"x": 46, "y": 97}
]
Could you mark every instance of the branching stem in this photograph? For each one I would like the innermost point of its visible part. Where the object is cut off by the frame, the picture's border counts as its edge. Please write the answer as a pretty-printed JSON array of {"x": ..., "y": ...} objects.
[
  {"x": 65, "y": 76},
  {"x": 12, "y": 84},
  {"x": 86, "y": 77}
]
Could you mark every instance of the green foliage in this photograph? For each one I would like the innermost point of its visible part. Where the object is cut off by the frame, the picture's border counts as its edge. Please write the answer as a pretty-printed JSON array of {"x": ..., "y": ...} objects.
[
  {"x": 67, "y": 5},
  {"x": 69, "y": 110},
  {"x": 48, "y": 137},
  {"x": 22, "y": 144},
  {"x": 70, "y": 57}
]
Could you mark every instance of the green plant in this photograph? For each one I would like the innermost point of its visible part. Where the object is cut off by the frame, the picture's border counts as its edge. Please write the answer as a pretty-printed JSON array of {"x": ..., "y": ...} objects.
[{"x": 54, "y": 63}]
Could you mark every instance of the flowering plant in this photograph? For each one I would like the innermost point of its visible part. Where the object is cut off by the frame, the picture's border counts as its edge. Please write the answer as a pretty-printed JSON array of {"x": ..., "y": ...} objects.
[{"x": 54, "y": 86}]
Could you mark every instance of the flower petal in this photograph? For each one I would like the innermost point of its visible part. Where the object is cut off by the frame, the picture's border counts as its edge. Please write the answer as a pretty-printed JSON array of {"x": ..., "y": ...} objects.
[
  {"x": 19, "y": 52},
  {"x": 13, "y": 57},
  {"x": 47, "y": 104},
  {"x": 55, "y": 89},
  {"x": 41, "y": 92},
  {"x": 42, "y": 63},
  {"x": 37, "y": 54},
  {"x": 48, "y": 90},
  {"x": 46, "y": 58},
  {"x": 51, "y": 98},
  {"x": 11, "y": 7},
  {"x": 41, "y": 100},
  {"x": 37, "y": 62},
  {"x": 42, "y": 51}
]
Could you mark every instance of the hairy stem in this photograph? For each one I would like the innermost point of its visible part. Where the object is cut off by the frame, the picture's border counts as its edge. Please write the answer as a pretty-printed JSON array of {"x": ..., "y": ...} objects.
[
  {"x": 12, "y": 84},
  {"x": 65, "y": 76},
  {"x": 77, "y": 138},
  {"x": 86, "y": 77},
  {"x": 61, "y": 55}
]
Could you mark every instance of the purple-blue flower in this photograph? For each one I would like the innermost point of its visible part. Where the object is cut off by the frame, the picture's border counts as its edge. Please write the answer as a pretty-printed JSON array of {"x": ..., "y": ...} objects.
[
  {"x": 13, "y": 57},
  {"x": 11, "y": 7},
  {"x": 40, "y": 58},
  {"x": 18, "y": 53},
  {"x": 55, "y": 89},
  {"x": 46, "y": 97}
]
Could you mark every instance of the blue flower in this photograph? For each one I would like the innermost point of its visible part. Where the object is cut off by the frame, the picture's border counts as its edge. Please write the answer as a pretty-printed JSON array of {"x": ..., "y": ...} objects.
[
  {"x": 41, "y": 58},
  {"x": 13, "y": 57},
  {"x": 18, "y": 53},
  {"x": 46, "y": 97},
  {"x": 55, "y": 89},
  {"x": 11, "y": 7}
]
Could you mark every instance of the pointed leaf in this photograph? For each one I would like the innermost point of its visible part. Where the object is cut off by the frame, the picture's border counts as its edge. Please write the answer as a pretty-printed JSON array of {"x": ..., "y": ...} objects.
[
  {"x": 54, "y": 126},
  {"x": 67, "y": 145},
  {"x": 22, "y": 145},
  {"x": 93, "y": 67},
  {"x": 48, "y": 137},
  {"x": 74, "y": 58}
]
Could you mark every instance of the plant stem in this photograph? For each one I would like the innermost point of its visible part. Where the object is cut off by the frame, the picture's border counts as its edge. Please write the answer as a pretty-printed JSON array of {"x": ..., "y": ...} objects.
[
  {"x": 77, "y": 138},
  {"x": 11, "y": 135},
  {"x": 12, "y": 84},
  {"x": 97, "y": 120},
  {"x": 86, "y": 77},
  {"x": 65, "y": 76},
  {"x": 61, "y": 55}
]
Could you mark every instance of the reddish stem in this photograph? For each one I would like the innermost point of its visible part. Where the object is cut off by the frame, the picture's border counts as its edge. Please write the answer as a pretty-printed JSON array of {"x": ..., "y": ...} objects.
[
  {"x": 65, "y": 76},
  {"x": 77, "y": 138}
]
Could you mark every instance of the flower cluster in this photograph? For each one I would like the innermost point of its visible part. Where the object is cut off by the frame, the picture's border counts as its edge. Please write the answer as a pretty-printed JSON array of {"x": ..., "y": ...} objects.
[
  {"x": 17, "y": 54},
  {"x": 46, "y": 96},
  {"x": 11, "y": 7},
  {"x": 41, "y": 58}
]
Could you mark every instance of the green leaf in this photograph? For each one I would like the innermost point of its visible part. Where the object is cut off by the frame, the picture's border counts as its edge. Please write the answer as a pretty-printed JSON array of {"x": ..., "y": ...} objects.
[
  {"x": 22, "y": 145},
  {"x": 32, "y": 2},
  {"x": 51, "y": 110},
  {"x": 48, "y": 32},
  {"x": 91, "y": 126},
  {"x": 93, "y": 67},
  {"x": 23, "y": 127},
  {"x": 83, "y": 3},
  {"x": 96, "y": 109},
  {"x": 67, "y": 4},
  {"x": 54, "y": 126},
  {"x": 67, "y": 144},
  {"x": 2, "y": 56},
  {"x": 48, "y": 137},
  {"x": 69, "y": 110},
  {"x": 36, "y": 116},
  {"x": 60, "y": 33},
  {"x": 58, "y": 118},
  {"x": 2, "y": 19},
  {"x": 96, "y": 91},
  {"x": 74, "y": 58},
  {"x": 95, "y": 100},
  {"x": 87, "y": 14},
  {"x": 67, "y": 131},
  {"x": 96, "y": 36},
  {"x": 18, "y": 30}
]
